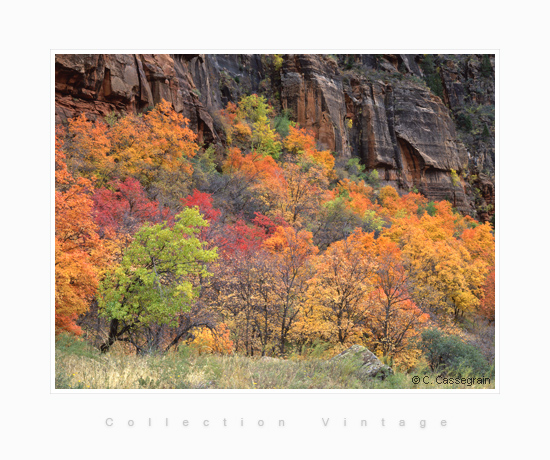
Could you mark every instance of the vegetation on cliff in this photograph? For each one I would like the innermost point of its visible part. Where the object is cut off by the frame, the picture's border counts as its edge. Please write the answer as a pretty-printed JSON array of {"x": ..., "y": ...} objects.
[{"x": 412, "y": 118}]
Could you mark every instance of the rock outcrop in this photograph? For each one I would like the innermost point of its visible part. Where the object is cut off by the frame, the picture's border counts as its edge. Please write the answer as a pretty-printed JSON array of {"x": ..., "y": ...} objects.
[
  {"x": 469, "y": 91},
  {"x": 99, "y": 84},
  {"x": 407, "y": 134},
  {"x": 374, "y": 107},
  {"x": 313, "y": 91},
  {"x": 369, "y": 366}
]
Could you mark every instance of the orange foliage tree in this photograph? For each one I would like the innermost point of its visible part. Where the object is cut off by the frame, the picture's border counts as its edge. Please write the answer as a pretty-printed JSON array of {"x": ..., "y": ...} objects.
[
  {"x": 395, "y": 317},
  {"x": 300, "y": 142},
  {"x": 296, "y": 195},
  {"x": 155, "y": 148},
  {"x": 78, "y": 249},
  {"x": 488, "y": 301}
]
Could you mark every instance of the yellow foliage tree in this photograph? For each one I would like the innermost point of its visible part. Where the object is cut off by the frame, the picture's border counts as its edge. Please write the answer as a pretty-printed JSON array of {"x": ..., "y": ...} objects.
[
  {"x": 339, "y": 300},
  {"x": 293, "y": 253},
  {"x": 217, "y": 341}
]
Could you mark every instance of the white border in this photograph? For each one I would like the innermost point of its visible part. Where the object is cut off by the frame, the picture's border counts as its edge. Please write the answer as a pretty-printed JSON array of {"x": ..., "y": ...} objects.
[{"x": 53, "y": 390}]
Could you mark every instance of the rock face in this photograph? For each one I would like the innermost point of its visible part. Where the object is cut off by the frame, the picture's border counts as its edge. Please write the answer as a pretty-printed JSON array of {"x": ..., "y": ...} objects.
[
  {"x": 407, "y": 134},
  {"x": 313, "y": 91},
  {"x": 98, "y": 84},
  {"x": 376, "y": 107},
  {"x": 369, "y": 365},
  {"x": 469, "y": 91},
  {"x": 197, "y": 85},
  {"x": 396, "y": 127}
]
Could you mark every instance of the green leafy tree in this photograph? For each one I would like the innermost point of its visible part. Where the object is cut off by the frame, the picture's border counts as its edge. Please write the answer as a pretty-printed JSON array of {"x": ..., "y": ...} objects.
[{"x": 156, "y": 282}]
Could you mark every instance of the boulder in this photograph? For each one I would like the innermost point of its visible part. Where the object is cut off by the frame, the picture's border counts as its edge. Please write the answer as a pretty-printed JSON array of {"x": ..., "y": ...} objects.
[{"x": 369, "y": 365}]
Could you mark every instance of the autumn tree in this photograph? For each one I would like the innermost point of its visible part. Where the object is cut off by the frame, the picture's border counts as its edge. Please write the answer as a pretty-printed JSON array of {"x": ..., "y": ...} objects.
[
  {"x": 155, "y": 148},
  {"x": 292, "y": 252},
  {"x": 244, "y": 287},
  {"x": 246, "y": 175},
  {"x": 335, "y": 221},
  {"x": 341, "y": 289},
  {"x": 294, "y": 194},
  {"x": 121, "y": 208},
  {"x": 79, "y": 254},
  {"x": 395, "y": 319},
  {"x": 237, "y": 131},
  {"x": 479, "y": 240},
  {"x": 300, "y": 142},
  {"x": 248, "y": 125},
  {"x": 207, "y": 340},
  {"x": 87, "y": 147},
  {"x": 488, "y": 302},
  {"x": 447, "y": 279},
  {"x": 265, "y": 140}
]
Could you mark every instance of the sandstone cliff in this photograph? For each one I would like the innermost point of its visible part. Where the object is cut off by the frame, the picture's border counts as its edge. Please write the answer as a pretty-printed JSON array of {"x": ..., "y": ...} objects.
[{"x": 415, "y": 123}]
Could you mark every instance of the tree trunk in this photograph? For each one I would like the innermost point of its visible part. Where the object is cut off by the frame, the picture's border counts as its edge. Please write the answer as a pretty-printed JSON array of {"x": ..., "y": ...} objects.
[{"x": 113, "y": 334}]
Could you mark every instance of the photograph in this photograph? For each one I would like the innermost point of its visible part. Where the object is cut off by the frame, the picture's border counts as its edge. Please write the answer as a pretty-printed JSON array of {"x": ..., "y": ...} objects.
[
  {"x": 280, "y": 231},
  {"x": 280, "y": 222}
]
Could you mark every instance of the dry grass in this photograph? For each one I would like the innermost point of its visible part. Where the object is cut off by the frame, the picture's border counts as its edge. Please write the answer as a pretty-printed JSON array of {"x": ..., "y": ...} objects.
[{"x": 79, "y": 366}]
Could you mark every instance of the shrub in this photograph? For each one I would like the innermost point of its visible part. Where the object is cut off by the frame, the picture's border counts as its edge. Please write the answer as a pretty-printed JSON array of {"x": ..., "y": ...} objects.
[
  {"x": 355, "y": 169},
  {"x": 431, "y": 75},
  {"x": 450, "y": 355},
  {"x": 486, "y": 67},
  {"x": 213, "y": 341},
  {"x": 454, "y": 178},
  {"x": 464, "y": 122},
  {"x": 373, "y": 179},
  {"x": 277, "y": 61},
  {"x": 282, "y": 123}
]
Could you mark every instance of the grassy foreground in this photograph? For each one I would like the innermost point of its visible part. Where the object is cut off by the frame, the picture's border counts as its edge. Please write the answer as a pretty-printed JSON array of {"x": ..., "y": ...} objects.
[{"x": 80, "y": 366}]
